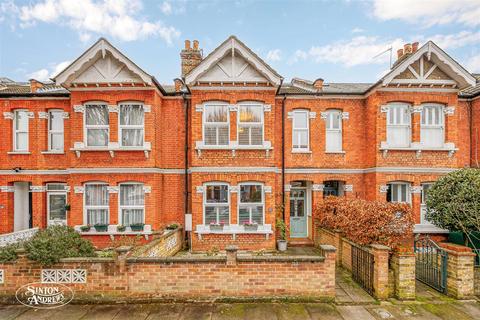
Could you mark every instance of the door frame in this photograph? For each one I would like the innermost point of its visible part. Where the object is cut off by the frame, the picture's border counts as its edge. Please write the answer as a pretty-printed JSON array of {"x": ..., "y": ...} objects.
[
  {"x": 305, "y": 208},
  {"x": 56, "y": 192}
]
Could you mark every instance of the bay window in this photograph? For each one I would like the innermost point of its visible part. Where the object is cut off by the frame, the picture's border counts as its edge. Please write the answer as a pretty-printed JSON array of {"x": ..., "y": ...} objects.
[
  {"x": 55, "y": 130},
  {"x": 398, "y": 125},
  {"x": 398, "y": 192},
  {"x": 333, "y": 134},
  {"x": 96, "y": 125},
  {"x": 20, "y": 130},
  {"x": 250, "y": 124},
  {"x": 216, "y": 124},
  {"x": 131, "y": 125},
  {"x": 216, "y": 204},
  {"x": 251, "y": 204},
  {"x": 432, "y": 126},
  {"x": 300, "y": 130},
  {"x": 96, "y": 203},
  {"x": 132, "y": 203}
]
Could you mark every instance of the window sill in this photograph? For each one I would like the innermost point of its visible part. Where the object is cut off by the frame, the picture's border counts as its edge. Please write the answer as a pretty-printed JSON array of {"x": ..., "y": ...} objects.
[
  {"x": 233, "y": 230},
  {"x": 52, "y": 152},
  {"x": 112, "y": 231},
  {"x": 301, "y": 151},
  {"x": 418, "y": 148},
  {"x": 428, "y": 228},
  {"x": 335, "y": 152},
  {"x": 233, "y": 146},
  {"x": 19, "y": 152},
  {"x": 111, "y": 148}
]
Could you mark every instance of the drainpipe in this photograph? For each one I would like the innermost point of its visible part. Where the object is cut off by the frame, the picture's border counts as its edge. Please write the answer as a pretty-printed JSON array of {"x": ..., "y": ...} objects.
[{"x": 283, "y": 156}]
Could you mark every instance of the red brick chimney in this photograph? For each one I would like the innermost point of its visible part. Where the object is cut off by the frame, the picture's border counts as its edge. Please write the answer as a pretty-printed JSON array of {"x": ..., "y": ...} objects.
[
  {"x": 35, "y": 85},
  {"x": 190, "y": 57},
  {"x": 399, "y": 53},
  {"x": 414, "y": 47},
  {"x": 318, "y": 84}
]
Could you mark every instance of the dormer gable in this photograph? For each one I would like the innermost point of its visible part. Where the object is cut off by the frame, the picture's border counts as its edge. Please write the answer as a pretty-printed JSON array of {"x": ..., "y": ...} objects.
[
  {"x": 102, "y": 63},
  {"x": 429, "y": 66},
  {"x": 233, "y": 62}
]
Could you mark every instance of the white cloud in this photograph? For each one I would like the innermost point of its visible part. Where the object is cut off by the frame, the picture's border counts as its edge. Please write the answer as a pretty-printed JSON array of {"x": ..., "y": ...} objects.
[
  {"x": 274, "y": 55},
  {"x": 166, "y": 8},
  {"x": 357, "y": 30},
  {"x": 117, "y": 18},
  {"x": 45, "y": 74},
  {"x": 456, "y": 40},
  {"x": 428, "y": 13},
  {"x": 357, "y": 51},
  {"x": 473, "y": 64}
]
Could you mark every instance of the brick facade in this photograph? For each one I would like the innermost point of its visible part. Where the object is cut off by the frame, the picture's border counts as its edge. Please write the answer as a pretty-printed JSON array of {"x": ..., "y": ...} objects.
[{"x": 363, "y": 168}]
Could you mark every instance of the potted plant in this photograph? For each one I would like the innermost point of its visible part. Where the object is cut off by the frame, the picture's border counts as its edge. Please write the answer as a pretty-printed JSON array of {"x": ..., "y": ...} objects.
[
  {"x": 101, "y": 227},
  {"x": 121, "y": 228},
  {"x": 137, "y": 226},
  {"x": 67, "y": 207},
  {"x": 250, "y": 226},
  {"x": 216, "y": 226},
  {"x": 85, "y": 228},
  {"x": 172, "y": 226},
  {"x": 282, "y": 233}
]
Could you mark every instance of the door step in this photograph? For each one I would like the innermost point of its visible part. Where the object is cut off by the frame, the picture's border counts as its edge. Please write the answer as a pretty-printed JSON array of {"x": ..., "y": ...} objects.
[{"x": 301, "y": 243}]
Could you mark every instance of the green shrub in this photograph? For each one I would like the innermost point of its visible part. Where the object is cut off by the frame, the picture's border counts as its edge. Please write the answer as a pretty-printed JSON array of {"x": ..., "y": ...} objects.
[
  {"x": 9, "y": 253},
  {"x": 48, "y": 246}
]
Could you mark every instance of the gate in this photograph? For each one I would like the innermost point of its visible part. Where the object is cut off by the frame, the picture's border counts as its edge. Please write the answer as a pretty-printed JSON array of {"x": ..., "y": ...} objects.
[
  {"x": 431, "y": 264},
  {"x": 362, "y": 268}
]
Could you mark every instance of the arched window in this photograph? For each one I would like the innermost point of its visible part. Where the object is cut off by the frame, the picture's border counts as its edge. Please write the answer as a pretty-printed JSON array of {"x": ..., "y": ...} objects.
[
  {"x": 216, "y": 124},
  {"x": 251, "y": 203},
  {"x": 300, "y": 130},
  {"x": 131, "y": 124},
  {"x": 132, "y": 203},
  {"x": 333, "y": 128},
  {"x": 55, "y": 130},
  {"x": 398, "y": 125},
  {"x": 96, "y": 203},
  {"x": 96, "y": 125},
  {"x": 216, "y": 203},
  {"x": 399, "y": 191},
  {"x": 432, "y": 125},
  {"x": 250, "y": 123}
]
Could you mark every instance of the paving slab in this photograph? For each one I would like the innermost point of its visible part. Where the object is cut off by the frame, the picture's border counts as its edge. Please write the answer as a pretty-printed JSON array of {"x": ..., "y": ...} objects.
[
  {"x": 354, "y": 312},
  {"x": 470, "y": 308},
  {"x": 229, "y": 311},
  {"x": 102, "y": 312},
  {"x": 261, "y": 311},
  {"x": 323, "y": 311},
  {"x": 292, "y": 311},
  {"x": 445, "y": 311},
  {"x": 197, "y": 311},
  {"x": 70, "y": 311},
  {"x": 12, "y": 311},
  {"x": 165, "y": 311},
  {"x": 37, "y": 314},
  {"x": 134, "y": 311}
]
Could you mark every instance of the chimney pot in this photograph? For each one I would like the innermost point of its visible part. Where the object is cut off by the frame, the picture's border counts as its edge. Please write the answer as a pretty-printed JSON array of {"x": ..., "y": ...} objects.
[
  {"x": 190, "y": 58},
  {"x": 407, "y": 48},
  {"x": 187, "y": 44},
  {"x": 414, "y": 47},
  {"x": 195, "y": 44},
  {"x": 318, "y": 84},
  {"x": 399, "y": 53}
]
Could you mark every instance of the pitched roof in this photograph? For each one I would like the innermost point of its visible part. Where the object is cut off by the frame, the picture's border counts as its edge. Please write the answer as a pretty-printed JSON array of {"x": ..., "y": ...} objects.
[
  {"x": 472, "y": 91},
  {"x": 9, "y": 88},
  {"x": 302, "y": 86}
]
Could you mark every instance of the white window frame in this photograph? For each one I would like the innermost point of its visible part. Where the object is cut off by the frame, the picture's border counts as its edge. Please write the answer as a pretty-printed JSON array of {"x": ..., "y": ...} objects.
[
  {"x": 52, "y": 132},
  {"x": 16, "y": 131},
  {"x": 55, "y": 192},
  {"x": 428, "y": 126},
  {"x": 121, "y": 207},
  {"x": 85, "y": 207},
  {"x": 88, "y": 127},
  {"x": 251, "y": 124},
  {"x": 405, "y": 126},
  {"x": 122, "y": 127},
  {"x": 222, "y": 204},
  {"x": 307, "y": 129},
  {"x": 215, "y": 124},
  {"x": 423, "y": 205},
  {"x": 330, "y": 113},
  {"x": 408, "y": 189},
  {"x": 250, "y": 204}
]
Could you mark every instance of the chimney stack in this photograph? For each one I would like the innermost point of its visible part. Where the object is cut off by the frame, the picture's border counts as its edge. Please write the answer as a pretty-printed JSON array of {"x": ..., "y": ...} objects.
[
  {"x": 407, "y": 48},
  {"x": 35, "y": 85},
  {"x": 318, "y": 84},
  {"x": 414, "y": 47},
  {"x": 190, "y": 57},
  {"x": 399, "y": 53}
]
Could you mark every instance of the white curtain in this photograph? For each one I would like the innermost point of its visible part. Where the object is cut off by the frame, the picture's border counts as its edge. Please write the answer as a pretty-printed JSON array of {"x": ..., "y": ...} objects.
[
  {"x": 131, "y": 123},
  {"x": 132, "y": 200},
  {"x": 96, "y": 203},
  {"x": 96, "y": 121}
]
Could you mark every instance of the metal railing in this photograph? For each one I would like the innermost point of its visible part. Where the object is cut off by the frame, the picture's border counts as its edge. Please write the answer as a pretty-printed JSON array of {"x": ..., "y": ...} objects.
[
  {"x": 431, "y": 263},
  {"x": 362, "y": 268}
]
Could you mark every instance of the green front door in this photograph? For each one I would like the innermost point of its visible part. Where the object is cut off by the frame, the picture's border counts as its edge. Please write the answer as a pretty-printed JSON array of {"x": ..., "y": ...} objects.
[{"x": 298, "y": 214}]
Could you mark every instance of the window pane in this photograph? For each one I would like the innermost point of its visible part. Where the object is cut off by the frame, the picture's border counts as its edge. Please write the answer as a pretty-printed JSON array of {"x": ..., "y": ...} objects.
[
  {"x": 132, "y": 137},
  {"x": 131, "y": 114},
  {"x": 334, "y": 141},
  {"x": 210, "y": 215},
  {"x": 300, "y": 139},
  {"x": 56, "y": 141},
  {"x": 243, "y": 215},
  {"x": 217, "y": 194},
  {"x": 333, "y": 120},
  {"x": 57, "y": 206},
  {"x": 21, "y": 141},
  {"x": 131, "y": 216},
  {"x": 216, "y": 113},
  {"x": 257, "y": 135},
  {"x": 21, "y": 121},
  {"x": 300, "y": 120},
  {"x": 257, "y": 214},
  {"x": 250, "y": 193},
  {"x": 56, "y": 121},
  {"x": 223, "y": 215},
  {"x": 425, "y": 188},
  {"x": 251, "y": 113},
  {"x": 243, "y": 135},
  {"x": 96, "y": 195},
  {"x": 223, "y": 137},
  {"x": 132, "y": 195},
  {"x": 96, "y": 115},
  {"x": 210, "y": 135},
  {"x": 97, "y": 216},
  {"x": 97, "y": 137}
]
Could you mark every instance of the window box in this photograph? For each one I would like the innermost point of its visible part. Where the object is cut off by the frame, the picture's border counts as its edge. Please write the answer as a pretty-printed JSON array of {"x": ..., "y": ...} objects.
[
  {"x": 85, "y": 228},
  {"x": 137, "y": 227},
  {"x": 101, "y": 227}
]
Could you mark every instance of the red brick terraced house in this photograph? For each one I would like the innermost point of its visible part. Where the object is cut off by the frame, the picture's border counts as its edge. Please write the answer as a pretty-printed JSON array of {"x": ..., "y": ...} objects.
[{"x": 229, "y": 146}]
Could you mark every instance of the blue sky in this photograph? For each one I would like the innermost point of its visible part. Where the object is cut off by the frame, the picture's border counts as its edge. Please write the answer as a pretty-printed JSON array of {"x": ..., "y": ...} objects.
[{"x": 334, "y": 40}]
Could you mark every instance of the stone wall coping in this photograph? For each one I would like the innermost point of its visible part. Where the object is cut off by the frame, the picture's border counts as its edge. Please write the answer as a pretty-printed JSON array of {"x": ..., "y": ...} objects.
[
  {"x": 457, "y": 249},
  {"x": 379, "y": 247},
  {"x": 280, "y": 259},
  {"x": 176, "y": 259},
  {"x": 159, "y": 237},
  {"x": 328, "y": 247},
  {"x": 332, "y": 232},
  {"x": 87, "y": 259}
]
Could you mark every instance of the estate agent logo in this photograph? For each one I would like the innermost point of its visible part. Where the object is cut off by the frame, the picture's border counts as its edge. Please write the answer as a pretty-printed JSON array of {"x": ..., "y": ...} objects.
[{"x": 44, "y": 295}]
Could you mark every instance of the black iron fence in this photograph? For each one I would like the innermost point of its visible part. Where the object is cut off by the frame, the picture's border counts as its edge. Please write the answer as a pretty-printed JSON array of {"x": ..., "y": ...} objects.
[
  {"x": 431, "y": 264},
  {"x": 362, "y": 268}
]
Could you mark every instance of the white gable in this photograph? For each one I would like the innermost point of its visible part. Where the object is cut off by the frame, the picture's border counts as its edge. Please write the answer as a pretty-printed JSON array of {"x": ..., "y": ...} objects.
[
  {"x": 232, "y": 61},
  {"x": 429, "y": 65},
  {"x": 102, "y": 63}
]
